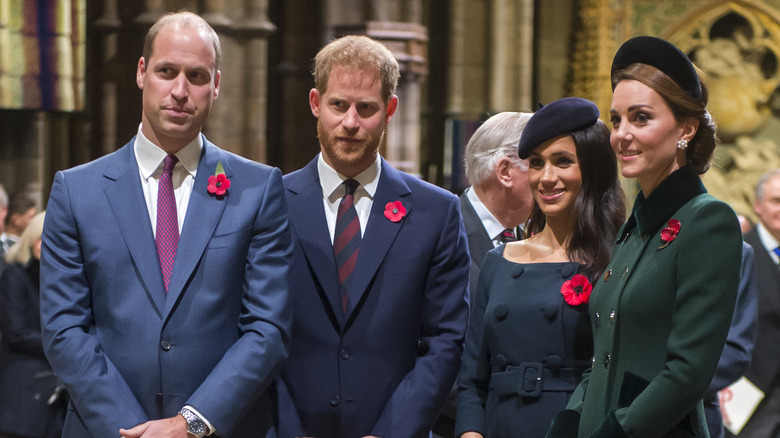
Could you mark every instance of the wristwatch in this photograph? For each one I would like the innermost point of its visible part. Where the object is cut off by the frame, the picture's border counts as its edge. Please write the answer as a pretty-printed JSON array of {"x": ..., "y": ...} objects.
[{"x": 195, "y": 425}]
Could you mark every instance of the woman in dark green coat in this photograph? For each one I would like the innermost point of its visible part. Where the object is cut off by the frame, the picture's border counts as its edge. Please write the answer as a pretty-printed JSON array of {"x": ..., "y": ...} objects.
[{"x": 661, "y": 311}]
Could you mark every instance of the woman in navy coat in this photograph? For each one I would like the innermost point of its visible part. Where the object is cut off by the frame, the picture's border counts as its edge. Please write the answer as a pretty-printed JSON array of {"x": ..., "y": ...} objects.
[
  {"x": 31, "y": 404},
  {"x": 661, "y": 311},
  {"x": 529, "y": 339}
]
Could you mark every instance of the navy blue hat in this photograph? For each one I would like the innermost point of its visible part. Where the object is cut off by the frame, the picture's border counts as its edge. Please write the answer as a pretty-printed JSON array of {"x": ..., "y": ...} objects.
[
  {"x": 662, "y": 55},
  {"x": 563, "y": 116}
]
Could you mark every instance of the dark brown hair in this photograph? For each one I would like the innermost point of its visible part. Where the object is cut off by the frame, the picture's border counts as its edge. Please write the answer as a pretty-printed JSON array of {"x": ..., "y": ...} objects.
[
  {"x": 702, "y": 145},
  {"x": 600, "y": 205}
]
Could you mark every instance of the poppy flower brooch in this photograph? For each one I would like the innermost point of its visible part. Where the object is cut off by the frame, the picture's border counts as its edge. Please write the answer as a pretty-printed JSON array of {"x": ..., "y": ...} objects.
[
  {"x": 218, "y": 183},
  {"x": 395, "y": 211},
  {"x": 669, "y": 233},
  {"x": 577, "y": 290}
]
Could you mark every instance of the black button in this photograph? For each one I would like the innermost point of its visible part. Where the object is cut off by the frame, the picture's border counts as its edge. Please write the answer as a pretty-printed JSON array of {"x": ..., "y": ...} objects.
[
  {"x": 344, "y": 354},
  {"x": 334, "y": 401},
  {"x": 165, "y": 345}
]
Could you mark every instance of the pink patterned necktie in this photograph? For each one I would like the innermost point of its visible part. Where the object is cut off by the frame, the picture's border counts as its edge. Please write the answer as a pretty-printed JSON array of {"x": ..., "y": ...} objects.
[
  {"x": 346, "y": 242},
  {"x": 167, "y": 237}
]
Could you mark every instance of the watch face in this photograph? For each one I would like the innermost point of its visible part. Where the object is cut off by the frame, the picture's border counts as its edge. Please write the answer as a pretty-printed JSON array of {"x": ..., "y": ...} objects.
[{"x": 196, "y": 427}]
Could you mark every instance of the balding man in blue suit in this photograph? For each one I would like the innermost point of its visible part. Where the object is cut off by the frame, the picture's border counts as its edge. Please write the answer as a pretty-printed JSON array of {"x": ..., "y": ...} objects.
[
  {"x": 380, "y": 302},
  {"x": 164, "y": 275}
]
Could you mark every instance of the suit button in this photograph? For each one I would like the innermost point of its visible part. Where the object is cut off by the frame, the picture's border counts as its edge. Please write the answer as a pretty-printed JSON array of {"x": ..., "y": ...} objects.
[
  {"x": 597, "y": 319},
  {"x": 344, "y": 354},
  {"x": 606, "y": 361},
  {"x": 334, "y": 401},
  {"x": 165, "y": 345}
]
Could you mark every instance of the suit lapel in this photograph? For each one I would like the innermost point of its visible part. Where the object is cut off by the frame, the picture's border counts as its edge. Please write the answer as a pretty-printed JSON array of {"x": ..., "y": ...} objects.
[
  {"x": 122, "y": 185},
  {"x": 479, "y": 240},
  {"x": 766, "y": 269},
  {"x": 203, "y": 215},
  {"x": 311, "y": 228},
  {"x": 380, "y": 232}
]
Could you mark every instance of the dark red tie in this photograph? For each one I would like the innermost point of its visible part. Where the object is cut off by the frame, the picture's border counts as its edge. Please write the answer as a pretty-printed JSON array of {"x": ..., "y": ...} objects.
[
  {"x": 167, "y": 237},
  {"x": 346, "y": 241}
]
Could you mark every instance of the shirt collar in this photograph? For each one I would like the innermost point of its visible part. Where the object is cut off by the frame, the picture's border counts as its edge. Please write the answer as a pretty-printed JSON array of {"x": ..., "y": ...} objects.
[
  {"x": 675, "y": 191},
  {"x": 492, "y": 226},
  {"x": 767, "y": 239},
  {"x": 150, "y": 156},
  {"x": 331, "y": 181}
]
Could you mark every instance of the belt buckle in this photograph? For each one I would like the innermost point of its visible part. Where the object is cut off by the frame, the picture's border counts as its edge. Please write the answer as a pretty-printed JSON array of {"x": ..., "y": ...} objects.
[{"x": 525, "y": 378}]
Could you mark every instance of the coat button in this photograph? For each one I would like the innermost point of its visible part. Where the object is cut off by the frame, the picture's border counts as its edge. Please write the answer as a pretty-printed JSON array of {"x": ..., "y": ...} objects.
[
  {"x": 165, "y": 345},
  {"x": 334, "y": 401},
  {"x": 607, "y": 274},
  {"x": 625, "y": 273},
  {"x": 597, "y": 319},
  {"x": 612, "y": 316},
  {"x": 592, "y": 361},
  {"x": 500, "y": 311},
  {"x": 606, "y": 361},
  {"x": 344, "y": 354}
]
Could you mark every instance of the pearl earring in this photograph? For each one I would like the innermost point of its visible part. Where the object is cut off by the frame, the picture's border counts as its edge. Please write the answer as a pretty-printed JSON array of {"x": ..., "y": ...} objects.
[{"x": 682, "y": 143}]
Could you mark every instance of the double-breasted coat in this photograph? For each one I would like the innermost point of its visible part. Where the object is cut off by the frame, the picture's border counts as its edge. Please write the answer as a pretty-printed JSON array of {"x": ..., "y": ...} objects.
[{"x": 660, "y": 315}]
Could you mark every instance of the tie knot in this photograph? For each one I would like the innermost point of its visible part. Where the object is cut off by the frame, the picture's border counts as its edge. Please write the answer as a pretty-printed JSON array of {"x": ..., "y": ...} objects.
[
  {"x": 508, "y": 235},
  {"x": 169, "y": 162},
  {"x": 351, "y": 185}
]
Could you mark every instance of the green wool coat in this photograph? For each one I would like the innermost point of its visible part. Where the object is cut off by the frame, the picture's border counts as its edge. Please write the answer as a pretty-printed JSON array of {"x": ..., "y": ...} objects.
[{"x": 660, "y": 314}]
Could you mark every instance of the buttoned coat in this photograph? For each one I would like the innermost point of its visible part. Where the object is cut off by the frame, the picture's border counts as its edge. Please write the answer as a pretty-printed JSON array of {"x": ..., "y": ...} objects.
[
  {"x": 385, "y": 365},
  {"x": 129, "y": 352},
  {"x": 660, "y": 315}
]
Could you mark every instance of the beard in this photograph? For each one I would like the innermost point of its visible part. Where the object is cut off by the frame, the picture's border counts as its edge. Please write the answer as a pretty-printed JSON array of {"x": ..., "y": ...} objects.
[{"x": 352, "y": 158}]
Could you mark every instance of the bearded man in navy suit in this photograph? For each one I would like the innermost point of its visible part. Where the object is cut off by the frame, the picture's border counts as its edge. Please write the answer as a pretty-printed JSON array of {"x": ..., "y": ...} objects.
[
  {"x": 164, "y": 274},
  {"x": 381, "y": 301}
]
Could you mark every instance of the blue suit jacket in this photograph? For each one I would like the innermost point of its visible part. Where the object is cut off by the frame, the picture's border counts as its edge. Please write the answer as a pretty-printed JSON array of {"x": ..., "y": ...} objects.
[
  {"x": 127, "y": 351},
  {"x": 385, "y": 366}
]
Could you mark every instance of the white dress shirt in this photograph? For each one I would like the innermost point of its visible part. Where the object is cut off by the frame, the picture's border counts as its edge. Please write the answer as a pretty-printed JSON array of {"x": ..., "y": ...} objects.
[
  {"x": 333, "y": 190},
  {"x": 492, "y": 225},
  {"x": 150, "y": 165},
  {"x": 769, "y": 241}
]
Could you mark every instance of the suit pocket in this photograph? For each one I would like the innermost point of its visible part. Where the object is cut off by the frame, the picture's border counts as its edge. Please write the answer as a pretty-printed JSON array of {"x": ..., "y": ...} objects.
[{"x": 229, "y": 240}]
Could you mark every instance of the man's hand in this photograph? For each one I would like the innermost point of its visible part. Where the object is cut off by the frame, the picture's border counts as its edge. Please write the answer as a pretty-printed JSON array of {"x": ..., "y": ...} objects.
[{"x": 174, "y": 427}]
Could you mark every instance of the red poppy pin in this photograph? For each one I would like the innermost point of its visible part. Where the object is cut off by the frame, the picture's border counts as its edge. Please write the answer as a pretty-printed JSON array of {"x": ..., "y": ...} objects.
[
  {"x": 218, "y": 183},
  {"x": 669, "y": 233},
  {"x": 395, "y": 211},
  {"x": 577, "y": 290}
]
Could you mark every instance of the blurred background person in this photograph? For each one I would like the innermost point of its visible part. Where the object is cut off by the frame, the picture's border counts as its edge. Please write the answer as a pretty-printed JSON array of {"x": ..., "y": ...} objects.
[
  {"x": 494, "y": 207},
  {"x": 21, "y": 209},
  {"x": 764, "y": 368},
  {"x": 32, "y": 404},
  {"x": 529, "y": 340},
  {"x": 662, "y": 311}
]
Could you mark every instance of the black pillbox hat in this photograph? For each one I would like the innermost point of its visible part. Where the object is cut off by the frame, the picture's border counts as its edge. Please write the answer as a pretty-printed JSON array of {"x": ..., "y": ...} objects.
[
  {"x": 557, "y": 118},
  {"x": 662, "y": 55}
]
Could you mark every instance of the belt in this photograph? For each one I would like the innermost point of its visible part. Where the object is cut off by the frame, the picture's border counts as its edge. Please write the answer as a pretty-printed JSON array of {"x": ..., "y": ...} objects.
[{"x": 531, "y": 378}]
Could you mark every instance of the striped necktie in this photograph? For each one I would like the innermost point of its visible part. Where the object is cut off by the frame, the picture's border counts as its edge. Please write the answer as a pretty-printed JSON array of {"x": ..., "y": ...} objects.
[
  {"x": 508, "y": 235},
  {"x": 346, "y": 241}
]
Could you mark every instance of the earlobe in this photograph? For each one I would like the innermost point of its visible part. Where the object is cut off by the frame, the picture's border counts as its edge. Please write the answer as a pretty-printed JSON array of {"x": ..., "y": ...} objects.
[
  {"x": 503, "y": 171},
  {"x": 392, "y": 106},
  {"x": 140, "y": 72},
  {"x": 314, "y": 101}
]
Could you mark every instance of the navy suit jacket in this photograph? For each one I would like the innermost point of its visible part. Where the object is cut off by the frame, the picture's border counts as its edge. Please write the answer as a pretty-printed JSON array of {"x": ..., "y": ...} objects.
[
  {"x": 127, "y": 351},
  {"x": 385, "y": 366}
]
